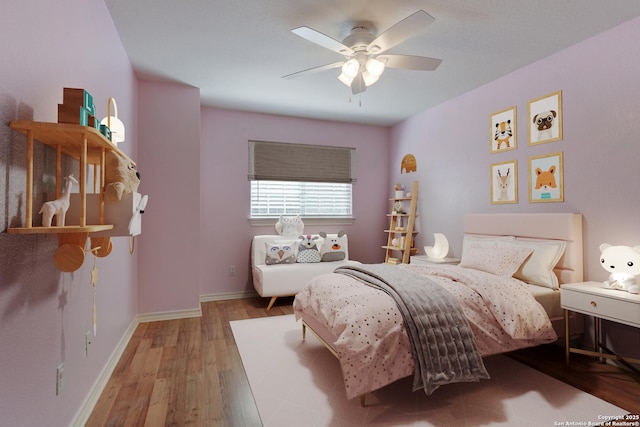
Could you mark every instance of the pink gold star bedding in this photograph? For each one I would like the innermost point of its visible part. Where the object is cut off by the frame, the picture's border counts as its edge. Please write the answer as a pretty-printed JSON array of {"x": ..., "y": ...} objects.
[{"x": 370, "y": 336}]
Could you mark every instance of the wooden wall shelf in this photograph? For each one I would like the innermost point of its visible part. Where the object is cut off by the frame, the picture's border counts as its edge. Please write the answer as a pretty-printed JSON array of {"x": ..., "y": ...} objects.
[
  {"x": 59, "y": 230},
  {"x": 70, "y": 138},
  {"x": 89, "y": 147}
]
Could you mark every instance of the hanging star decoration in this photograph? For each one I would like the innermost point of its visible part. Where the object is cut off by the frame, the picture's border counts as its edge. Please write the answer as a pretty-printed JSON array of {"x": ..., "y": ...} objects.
[
  {"x": 94, "y": 274},
  {"x": 94, "y": 281}
]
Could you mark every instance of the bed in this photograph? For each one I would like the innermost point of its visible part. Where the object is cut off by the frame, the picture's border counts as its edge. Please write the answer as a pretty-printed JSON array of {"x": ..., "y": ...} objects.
[{"x": 506, "y": 288}]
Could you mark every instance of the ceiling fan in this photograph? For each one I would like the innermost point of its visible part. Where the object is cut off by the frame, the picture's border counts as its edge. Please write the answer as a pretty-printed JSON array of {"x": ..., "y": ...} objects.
[{"x": 365, "y": 59}]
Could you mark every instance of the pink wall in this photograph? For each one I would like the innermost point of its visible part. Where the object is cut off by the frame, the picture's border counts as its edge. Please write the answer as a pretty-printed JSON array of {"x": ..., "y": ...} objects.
[
  {"x": 600, "y": 88},
  {"x": 169, "y": 124},
  {"x": 225, "y": 230},
  {"x": 44, "y": 313}
]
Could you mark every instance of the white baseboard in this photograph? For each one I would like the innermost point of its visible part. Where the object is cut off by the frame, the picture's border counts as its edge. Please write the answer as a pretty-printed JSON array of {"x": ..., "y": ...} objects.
[
  {"x": 90, "y": 401},
  {"x": 227, "y": 296},
  {"x": 169, "y": 315}
]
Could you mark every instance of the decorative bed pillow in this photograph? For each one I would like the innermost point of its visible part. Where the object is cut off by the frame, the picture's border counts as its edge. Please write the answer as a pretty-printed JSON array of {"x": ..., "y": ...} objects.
[
  {"x": 281, "y": 252},
  {"x": 290, "y": 226},
  {"x": 470, "y": 238},
  {"x": 333, "y": 248},
  {"x": 538, "y": 268},
  {"x": 495, "y": 257},
  {"x": 308, "y": 249}
]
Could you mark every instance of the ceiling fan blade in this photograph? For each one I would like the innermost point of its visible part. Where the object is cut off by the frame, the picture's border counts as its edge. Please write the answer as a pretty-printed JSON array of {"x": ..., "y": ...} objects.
[
  {"x": 313, "y": 70},
  {"x": 403, "y": 30},
  {"x": 410, "y": 62},
  {"x": 322, "y": 40},
  {"x": 357, "y": 85}
]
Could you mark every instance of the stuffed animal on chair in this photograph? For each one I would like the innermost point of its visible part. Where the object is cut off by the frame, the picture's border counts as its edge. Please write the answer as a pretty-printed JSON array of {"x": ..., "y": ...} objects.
[
  {"x": 333, "y": 248},
  {"x": 121, "y": 177},
  {"x": 308, "y": 251},
  {"x": 623, "y": 262},
  {"x": 290, "y": 225}
]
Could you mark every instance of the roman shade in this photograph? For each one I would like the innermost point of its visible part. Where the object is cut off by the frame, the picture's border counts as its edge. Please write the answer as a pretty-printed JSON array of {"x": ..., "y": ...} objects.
[{"x": 279, "y": 161}]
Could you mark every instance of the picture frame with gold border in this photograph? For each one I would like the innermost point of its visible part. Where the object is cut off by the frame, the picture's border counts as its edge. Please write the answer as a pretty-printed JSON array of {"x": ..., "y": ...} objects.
[
  {"x": 504, "y": 182},
  {"x": 546, "y": 178},
  {"x": 502, "y": 131},
  {"x": 545, "y": 118}
]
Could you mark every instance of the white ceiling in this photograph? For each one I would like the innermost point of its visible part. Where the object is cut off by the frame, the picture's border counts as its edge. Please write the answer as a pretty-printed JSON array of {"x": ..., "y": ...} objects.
[{"x": 236, "y": 51}]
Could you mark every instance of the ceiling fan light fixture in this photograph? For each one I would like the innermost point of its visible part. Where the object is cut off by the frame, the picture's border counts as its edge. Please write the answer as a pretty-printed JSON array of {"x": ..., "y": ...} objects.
[
  {"x": 375, "y": 67},
  {"x": 351, "y": 68},
  {"x": 365, "y": 57},
  {"x": 345, "y": 79},
  {"x": 369, "y": 78}
]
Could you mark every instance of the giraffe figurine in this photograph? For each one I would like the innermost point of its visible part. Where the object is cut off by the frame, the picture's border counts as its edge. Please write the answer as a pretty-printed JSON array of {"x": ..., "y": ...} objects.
[{"x": 58, "y": 207}]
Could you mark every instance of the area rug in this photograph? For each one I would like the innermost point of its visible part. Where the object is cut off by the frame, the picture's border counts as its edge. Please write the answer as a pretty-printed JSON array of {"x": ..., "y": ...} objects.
[{"x": 299, "y": 383}]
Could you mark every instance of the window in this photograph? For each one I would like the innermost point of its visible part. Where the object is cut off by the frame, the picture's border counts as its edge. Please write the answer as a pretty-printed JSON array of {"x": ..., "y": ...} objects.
[
  {"x": 309, "y": 180},
  {"x": 311, "y": 199}
]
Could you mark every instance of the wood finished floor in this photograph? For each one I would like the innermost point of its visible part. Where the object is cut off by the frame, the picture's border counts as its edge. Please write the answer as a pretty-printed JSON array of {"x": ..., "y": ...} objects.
[{"x": 188, "y": 372}]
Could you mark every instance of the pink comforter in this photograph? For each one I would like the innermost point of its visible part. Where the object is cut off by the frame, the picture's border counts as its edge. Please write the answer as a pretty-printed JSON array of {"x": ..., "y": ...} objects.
[{"x": 370, "y": 336}]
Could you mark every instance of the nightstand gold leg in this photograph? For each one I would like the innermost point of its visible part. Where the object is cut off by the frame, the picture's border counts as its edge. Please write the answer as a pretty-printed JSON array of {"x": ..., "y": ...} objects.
[
  {"x": 567, "y": 349},
  {"x": 597, "y": 337}
]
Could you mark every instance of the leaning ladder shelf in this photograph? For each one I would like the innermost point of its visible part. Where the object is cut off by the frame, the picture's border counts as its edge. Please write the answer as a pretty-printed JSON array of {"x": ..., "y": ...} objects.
[
  {"x": 88, "y": 146},
  {"x": 406, "y": 232}
]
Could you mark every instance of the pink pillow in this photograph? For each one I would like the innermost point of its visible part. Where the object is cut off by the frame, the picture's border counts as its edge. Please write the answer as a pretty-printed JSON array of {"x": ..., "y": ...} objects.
[{"x": 494, "y": 257}]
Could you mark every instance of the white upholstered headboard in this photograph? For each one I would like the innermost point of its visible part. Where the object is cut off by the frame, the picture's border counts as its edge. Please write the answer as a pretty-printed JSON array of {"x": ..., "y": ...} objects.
[{"x": 555, "y": 226}]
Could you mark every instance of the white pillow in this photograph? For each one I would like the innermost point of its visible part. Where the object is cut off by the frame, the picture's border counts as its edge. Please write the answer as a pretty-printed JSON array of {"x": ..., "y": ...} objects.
[
  {"x": 334, "y": 247},
  {"x": 494, "y": 256},
  {"x": 538, "y": 268},
  {"x": 308, "y": 249},
  {"x": 470, "y": 238},
  {"x": 290, "y": 225},
  {"x": 281, "y": 252}
]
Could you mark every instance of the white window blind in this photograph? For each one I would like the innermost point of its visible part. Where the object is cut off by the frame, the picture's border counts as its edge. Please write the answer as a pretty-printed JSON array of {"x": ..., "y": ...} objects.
[
  {"x": 298, "y": 179},
  {"x": 311, "y": 199}
]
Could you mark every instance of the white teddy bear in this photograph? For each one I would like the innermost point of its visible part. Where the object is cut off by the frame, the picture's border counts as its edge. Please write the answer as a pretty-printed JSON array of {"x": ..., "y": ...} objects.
[{"x": 623, "y": 262}]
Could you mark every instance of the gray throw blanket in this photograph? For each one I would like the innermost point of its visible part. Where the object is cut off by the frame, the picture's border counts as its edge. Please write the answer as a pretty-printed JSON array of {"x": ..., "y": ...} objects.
[{"x": 443, "y": 345}]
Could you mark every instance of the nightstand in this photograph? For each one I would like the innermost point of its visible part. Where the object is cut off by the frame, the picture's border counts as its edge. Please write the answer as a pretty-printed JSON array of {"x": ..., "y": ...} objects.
[
  {"x": 593, "y": 299},
  {"x": 423, "y": 259}
]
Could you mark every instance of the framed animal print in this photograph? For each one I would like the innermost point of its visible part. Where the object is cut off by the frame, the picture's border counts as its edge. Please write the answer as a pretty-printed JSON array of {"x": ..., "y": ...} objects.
[
  {"x": 502, "y": 130},
  {"x": 504, "y": 182},
  {"x": 545, "y": 119},
  {"x": 546, "y": 182}
]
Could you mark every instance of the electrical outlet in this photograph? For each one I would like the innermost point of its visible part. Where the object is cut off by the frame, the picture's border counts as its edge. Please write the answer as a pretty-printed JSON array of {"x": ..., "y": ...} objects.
[
  {"x": 87, "y": 343},
  {"x": 232, "y": 270},
  {"x": 59, "y": 378}
]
